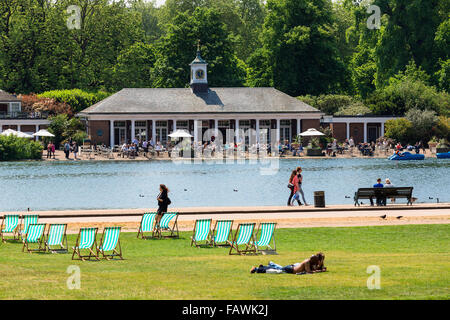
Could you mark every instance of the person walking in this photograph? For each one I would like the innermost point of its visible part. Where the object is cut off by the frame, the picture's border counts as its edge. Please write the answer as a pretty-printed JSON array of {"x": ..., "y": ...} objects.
[
  {"x": 291, "y": 186},
  {"x": 298, "y": 184},
  {"x": 163, "y": 202},
  {"x": 49, "y": 150},
  {"x": 67, "y": 149},
  {"x": 53, "y": 149},
  {"x": 75, "y": 150}
]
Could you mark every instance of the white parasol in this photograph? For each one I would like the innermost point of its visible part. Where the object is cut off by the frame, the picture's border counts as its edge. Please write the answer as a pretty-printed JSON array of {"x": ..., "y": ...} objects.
[
  {"x": 180, "y": 134},
  {"x": 311, "y": 133},
  {"x": 43, "y": 133}
]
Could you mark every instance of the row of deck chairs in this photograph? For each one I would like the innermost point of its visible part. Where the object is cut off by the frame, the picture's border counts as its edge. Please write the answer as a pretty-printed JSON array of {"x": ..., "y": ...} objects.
[
  {"x": 242, "y": 242},
  {"x": 35, "y": 239},
  {"x": 166, "y": 228}
]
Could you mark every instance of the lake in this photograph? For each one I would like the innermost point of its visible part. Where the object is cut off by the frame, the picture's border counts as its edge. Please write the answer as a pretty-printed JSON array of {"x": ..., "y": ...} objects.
[{"x": 118, "y": 185}]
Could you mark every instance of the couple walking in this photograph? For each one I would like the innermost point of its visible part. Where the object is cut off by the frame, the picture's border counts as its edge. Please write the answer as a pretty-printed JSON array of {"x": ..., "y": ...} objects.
[{"x": 295, "y": 185}]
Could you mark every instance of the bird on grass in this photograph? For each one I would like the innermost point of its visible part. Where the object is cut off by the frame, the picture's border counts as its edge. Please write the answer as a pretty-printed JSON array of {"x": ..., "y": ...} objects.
[
  {"x": 399, "y": 217},
  {"x": 383, "y": 216}
]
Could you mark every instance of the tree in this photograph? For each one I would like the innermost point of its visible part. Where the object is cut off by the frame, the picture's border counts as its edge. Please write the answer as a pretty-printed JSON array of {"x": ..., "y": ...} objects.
[
  {"x": 64, "y": 128},
  {"x": 177, "y": 49},
  {"x": 293, "y": 30},
  {"x": 422, "y": 121},
  {"x": 399, "y": 129}
]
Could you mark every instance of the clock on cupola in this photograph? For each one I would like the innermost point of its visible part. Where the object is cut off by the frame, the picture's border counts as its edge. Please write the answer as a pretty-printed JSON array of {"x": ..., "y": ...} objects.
[{"x": 199, "y": 76}]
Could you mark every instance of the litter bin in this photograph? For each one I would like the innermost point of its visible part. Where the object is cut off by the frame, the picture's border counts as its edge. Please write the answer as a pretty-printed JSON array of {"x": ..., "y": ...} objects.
[{"x": 319, "y": 199}]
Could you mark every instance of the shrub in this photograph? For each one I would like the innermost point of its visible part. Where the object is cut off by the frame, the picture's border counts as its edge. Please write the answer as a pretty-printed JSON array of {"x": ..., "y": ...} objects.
[
  {"x": 422, "y": 121},
  {"x": 399, "y": 129},
  {"x": 76, "y": 98},
  {"x": 15, "y": 148}
]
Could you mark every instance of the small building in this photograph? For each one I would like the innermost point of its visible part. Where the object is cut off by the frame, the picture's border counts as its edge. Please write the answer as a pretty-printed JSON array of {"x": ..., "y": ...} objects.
[
  {"x": 153, "y": 113},
  {"x": 12, "y": 116}
]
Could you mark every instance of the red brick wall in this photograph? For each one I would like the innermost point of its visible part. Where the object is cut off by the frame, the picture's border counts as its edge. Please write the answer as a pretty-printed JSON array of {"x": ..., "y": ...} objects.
[
  {"x": 339, "y": 131},
  {"x": 310, "y": 123},
  {"x": 97, "y": 127},
  {"x": 28, "y": 128},
  {"x": 357, "y": 132}
]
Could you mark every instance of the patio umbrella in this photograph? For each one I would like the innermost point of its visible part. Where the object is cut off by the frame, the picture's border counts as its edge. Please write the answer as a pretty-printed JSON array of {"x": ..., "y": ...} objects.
[
  {"x": 11, "y": 132},
  {"x": 43, "y": 133},
  {"x": 311, "y": 133},
  {"x": 180, "y": 134}
]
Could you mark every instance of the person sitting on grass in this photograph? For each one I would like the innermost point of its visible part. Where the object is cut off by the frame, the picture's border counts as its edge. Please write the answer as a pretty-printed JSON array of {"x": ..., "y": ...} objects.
[{"x": 313, "y": 264}]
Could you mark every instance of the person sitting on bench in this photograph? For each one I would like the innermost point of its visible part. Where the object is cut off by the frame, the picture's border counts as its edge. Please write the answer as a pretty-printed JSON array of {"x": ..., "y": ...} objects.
[
  {"x": 312, "y": 265},
  {"x": 380, "y": 201}
]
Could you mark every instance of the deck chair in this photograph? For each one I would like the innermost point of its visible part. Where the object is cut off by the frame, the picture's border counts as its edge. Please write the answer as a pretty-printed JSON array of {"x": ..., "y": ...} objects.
[
  {"x": 245, "y": 232},
  {"x": 86, "y": 240},
  {"x": 35, "y": 234},
  {"x": 10, "y": 224},
  {"x": 202, "y": 232},
  {"x": 163, "y": 225},
  {"x": 221, "y": 233},
  {"x": 266, "y": 232},
  {"x": 110, "y": 242},
  {"x": 56, "y": 236},
  {"x": 147, "y": 225},
  {"x": 27, "y": 219}
]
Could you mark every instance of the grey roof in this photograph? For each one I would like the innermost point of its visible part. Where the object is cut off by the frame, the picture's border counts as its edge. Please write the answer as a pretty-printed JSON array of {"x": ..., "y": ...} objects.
[
  {"x": 183, "y": 100},
  {"x": 7, "y": 97},
  {"x": 198, "y": 59}
]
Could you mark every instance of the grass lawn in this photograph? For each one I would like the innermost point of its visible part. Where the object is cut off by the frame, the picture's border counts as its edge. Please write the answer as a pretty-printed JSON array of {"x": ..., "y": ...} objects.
[{"x": 414, "y": 262}]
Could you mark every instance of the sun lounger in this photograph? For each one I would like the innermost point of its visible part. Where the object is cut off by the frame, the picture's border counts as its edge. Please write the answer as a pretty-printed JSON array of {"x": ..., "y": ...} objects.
[
  {"x": 56, "y": 236},
  {"x": 110, "y": 242},
  {"x": 86, "y": 240},
  {"x": 10, "y": 224},
  {"x": 27, "y": 219},
  {"x": 164, "y": 226},
  {"x": 243, "y": 237},
  {"x": 35, "y": 234},
  {"x": 202, "y": 232},
  {"x": 147, "y": 225},
  {"x": 221, "y": 233},
  {"x": 266, "y": 232}
]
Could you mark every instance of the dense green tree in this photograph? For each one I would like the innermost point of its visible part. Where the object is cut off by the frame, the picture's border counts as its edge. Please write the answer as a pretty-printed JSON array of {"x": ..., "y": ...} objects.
[
  {"x": 177, "y": 49},
  {"x": 298, "y": 43}
]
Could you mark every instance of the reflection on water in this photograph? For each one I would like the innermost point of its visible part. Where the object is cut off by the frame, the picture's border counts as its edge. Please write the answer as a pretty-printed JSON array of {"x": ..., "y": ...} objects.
[{"x": 98, "y": 185}]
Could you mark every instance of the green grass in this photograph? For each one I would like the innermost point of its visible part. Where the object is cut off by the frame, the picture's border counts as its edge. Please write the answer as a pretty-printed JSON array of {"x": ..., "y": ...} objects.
[{"x": 414, "y": 262}]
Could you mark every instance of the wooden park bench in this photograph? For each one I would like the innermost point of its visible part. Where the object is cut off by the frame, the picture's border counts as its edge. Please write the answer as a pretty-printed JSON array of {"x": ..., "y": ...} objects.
[{"x": 391, "y": 193}]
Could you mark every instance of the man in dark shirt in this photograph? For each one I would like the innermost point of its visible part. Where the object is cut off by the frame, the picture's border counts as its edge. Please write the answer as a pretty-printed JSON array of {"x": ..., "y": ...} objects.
[{"x": 379, "y": 200}]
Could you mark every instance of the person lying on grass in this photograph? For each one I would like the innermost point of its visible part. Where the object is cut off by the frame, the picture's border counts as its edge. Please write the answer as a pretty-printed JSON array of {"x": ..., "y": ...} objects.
[{"x": 312, "y": 265}]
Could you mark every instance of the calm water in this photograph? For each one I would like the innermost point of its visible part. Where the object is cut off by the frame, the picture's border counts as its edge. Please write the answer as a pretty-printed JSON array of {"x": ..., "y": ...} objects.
[{"x": 99, "y": 185}]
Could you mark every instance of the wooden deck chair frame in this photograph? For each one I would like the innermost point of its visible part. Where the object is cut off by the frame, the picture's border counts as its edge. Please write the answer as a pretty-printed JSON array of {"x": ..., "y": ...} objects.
[
  {"x": 154, "y": 231},
  {"x": 250, "y": 247},
  {"x": 208, "y": 239},
  {"x": 92, "y": 253},
  {"x": 62, "y": 249},
  {"x": 227, "y": 241},
  {"x": 115, "y": 252},
  {"x": 268, "y": 249},
  {"x": 15, "y": 231},
  {"x": 173, "y": 231},
  {"x": 21, "y": 231},
  {"x": 40, "y": 241}
]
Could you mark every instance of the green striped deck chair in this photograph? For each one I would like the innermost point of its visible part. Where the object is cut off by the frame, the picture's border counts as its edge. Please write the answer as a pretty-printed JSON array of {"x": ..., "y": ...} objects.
[
  {"x": 86, "y": 240},
  {"x": 10, "y": 224},
  {"x": 110, "y": 242},
  {"x": 56, "y": 236},
  {"x": 35, "y": 234},
  {"x": 221, "y": 233},
  {"x": 27, "y": 219},
  {"x": 164, "y": 225},
  {"x": 147, "y": 225},
  {"x": 202, "y": 232},
  {"x": 266, "y": 232},
  {"x": 243, "y": 237}
]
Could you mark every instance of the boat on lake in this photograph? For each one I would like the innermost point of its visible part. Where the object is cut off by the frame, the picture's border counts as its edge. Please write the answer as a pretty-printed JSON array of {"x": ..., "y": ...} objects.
[
  {"x": 407, "y": 156},
  {"x": 445, "y": 155}
]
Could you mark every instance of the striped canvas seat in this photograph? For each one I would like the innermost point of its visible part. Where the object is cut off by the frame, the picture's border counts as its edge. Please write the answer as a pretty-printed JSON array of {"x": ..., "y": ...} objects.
[
  {"x": 86, "y": 240},
  {"x": 243, "y": 237},
  {"x": 110, "y": 242},
  {"x": 222, "y": 232},
  {"x": 164, "y": 225},
  {"x": 147, "y": 225},
  {"x": 202, "y": 232},
  {"x": 26, "y": 221},
  {"x": 35, "y": 234},
  {"x": 10, "y": 223},
  {"x": 266, "y": 232},
  {"x": 56, "y": 236}
]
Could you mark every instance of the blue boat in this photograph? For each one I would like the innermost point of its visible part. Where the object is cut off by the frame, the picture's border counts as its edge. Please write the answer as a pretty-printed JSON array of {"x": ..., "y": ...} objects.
[
  {"x": 407, "y": 156},
  {"x": 445, "y": 155}
]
